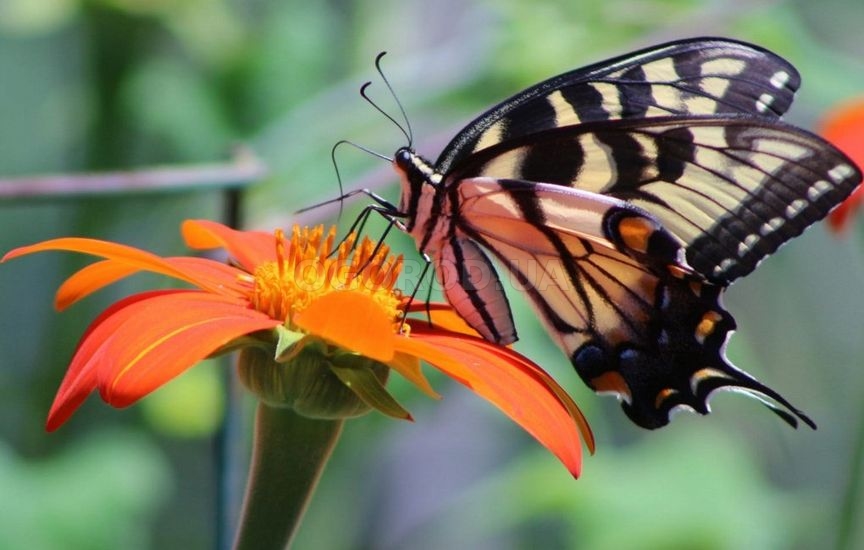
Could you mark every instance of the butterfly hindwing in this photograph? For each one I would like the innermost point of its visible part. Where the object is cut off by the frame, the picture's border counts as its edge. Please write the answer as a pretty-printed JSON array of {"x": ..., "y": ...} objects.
[
  {"x": 515, "y": 208},
  {"x": 654, "y": 335},
  {"x": 471, "y": 285},
  {"x": 732, "y": 190},
  {"x": 689, "y": 77}
]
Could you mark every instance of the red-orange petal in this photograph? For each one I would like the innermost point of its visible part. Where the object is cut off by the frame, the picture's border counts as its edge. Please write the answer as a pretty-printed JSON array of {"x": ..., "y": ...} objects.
[
  {"x": 131, "y": 256},
  {"x": 840, "y": 217},
  {"x": 249, "y": 248},
  {"x": 147, "y": 342},
  {"x": 211, "y": 274},
  {"x": 844, "y": 127},
  {"x": 511, "y": 384},
  {"x": 350, "y": 320},
  {"x": 167, "y": 336},
  {"x": 80, "y": 378}
]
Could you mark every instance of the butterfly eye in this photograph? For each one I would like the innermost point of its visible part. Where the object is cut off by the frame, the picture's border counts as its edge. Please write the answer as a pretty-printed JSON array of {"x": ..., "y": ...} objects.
[{"x": 403, "y": 157}]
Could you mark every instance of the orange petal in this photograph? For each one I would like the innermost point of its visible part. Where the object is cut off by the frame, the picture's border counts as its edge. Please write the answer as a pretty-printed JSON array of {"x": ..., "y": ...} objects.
[
  {"x": 844, "y": 127},
  {"x": 133, "y": 257},
  {"x": 409, "y": 367},
  {"x": 442, "y": 316},
  {"x": 350, "y": 320},
  {"x": 211, "y": 274},
  {"x": 146, "y": 341},
  {"x": 510, "y": 382},
  {"x": 249, "y": 248},
  {"x": 89, "y": 279},
  {"x": 510, "y": 356}
]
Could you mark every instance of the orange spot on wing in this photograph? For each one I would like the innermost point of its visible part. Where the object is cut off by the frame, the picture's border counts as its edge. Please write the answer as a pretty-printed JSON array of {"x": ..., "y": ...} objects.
[
  {"x": 707, "y": 325},
  {"x": 663, "y": 395},
  {"x": 636, "y": 232},
  {"x": 611, "y": 382}
]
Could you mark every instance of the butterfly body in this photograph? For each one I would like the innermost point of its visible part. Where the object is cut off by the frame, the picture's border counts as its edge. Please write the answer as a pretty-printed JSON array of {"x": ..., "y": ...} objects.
[{"x": 623, "y": 199}]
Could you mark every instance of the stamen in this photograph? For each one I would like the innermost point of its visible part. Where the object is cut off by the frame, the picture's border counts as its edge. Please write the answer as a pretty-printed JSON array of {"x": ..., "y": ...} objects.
[
  {"x": 280, "y": 251},
  {"x": 305, "y": 269}
]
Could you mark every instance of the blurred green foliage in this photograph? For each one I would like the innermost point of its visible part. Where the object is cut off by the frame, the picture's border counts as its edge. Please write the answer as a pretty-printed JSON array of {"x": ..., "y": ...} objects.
[
  {"x": 119, "y": 84},
  {"x": 101, "y": 492}
]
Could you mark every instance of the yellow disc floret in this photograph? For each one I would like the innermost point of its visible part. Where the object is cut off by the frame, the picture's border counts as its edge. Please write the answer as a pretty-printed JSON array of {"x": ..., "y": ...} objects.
[{"x": 307, "y": 267}]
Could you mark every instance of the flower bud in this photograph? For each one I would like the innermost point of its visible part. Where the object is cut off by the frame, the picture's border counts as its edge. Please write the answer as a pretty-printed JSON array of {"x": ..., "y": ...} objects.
[{"x": 307, "y": 383}]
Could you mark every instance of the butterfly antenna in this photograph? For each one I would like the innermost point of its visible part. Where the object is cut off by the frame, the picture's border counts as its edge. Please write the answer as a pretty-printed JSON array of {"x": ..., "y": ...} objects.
[
  {"x": 410, "y": 133},
  {"x": 338, "y": 177},
  {"x": 375, "y": 154},
  {"x": 342, "y": 195},
  {"x": 383, "y": 112}
]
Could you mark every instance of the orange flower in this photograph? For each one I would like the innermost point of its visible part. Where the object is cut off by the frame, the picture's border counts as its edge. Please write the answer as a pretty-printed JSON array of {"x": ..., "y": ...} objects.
[
  {"x": 287, "y": 297},
  {"x": 844, "y": 127}
]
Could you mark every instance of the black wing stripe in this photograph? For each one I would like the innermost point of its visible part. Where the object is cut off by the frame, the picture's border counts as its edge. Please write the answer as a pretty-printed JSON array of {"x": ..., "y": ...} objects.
[
  {"x": 577, "y": 276},
  {"x": 585, "y": 101},
  {"x": 526, "y": 279},
  {"x": 635, "y": 100},
  {"x": 576, "y": 280},
  {"x": 636, "y": 316},
  {"x": 472, "y": 293},
  {"x": 565, "y": 161}
]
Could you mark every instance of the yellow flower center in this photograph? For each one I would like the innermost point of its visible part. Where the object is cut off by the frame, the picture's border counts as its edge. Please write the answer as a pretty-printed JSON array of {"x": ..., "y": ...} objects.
[{"x": 307, "y": 269}]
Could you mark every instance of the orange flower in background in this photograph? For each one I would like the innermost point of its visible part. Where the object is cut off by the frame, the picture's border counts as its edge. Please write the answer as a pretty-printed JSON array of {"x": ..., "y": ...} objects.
[
  {"x": 844, "y": 127},
  {"x": 287, "y": 298}
]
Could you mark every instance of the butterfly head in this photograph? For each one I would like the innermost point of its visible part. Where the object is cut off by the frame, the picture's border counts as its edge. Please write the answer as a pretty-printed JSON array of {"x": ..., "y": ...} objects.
[{"x": 415, "y": 168}]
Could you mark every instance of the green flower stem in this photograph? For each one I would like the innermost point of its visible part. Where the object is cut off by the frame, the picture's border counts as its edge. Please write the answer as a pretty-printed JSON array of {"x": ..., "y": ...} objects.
[{"x": 288, "y": 456}]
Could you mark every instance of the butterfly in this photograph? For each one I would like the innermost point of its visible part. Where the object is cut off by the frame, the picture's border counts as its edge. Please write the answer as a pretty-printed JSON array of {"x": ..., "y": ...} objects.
[{"x": 623, "y": 198}]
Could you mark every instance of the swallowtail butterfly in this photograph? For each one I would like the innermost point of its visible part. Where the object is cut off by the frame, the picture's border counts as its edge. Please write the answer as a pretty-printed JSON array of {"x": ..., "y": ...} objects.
[{"x": 624, "y": 198}]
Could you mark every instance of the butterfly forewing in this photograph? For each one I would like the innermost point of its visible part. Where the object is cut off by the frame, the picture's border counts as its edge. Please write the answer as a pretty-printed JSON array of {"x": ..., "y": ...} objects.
[{"x": 690, "y": 77}]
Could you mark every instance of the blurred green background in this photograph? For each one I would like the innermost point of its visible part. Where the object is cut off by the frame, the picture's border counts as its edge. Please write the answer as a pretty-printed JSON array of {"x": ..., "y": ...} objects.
[{"x": 91, "y": 85}]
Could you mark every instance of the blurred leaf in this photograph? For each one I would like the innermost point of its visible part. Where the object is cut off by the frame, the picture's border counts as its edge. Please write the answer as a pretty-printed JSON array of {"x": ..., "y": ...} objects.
[
  {"x": 35, "y": 16},
  {"x": 177, "y": 112},
  {"x": 665, "y": 492},
  {"x": 102, "y": 492},
  {"x": 192, "y": 405}
]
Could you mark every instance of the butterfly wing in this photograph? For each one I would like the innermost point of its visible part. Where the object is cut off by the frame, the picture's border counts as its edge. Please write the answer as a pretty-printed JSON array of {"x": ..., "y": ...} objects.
[
  {"x": 702, "y": 76},
  {"x": 654, "y": 335},
  {"x": 623, "y": 198},
  {"x": 471, "y": 285},
  {"x": 731, "y": 190}
]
